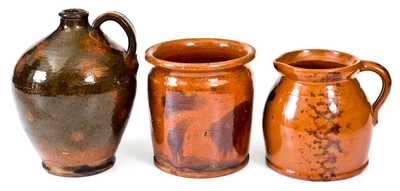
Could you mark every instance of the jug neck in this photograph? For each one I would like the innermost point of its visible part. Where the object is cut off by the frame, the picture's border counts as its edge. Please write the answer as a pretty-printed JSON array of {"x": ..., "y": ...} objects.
[{"x": 74, "y": 20}]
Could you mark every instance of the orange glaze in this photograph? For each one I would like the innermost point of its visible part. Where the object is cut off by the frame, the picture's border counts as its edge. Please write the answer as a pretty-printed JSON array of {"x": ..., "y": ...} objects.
[{"x": 317, "y": 120}]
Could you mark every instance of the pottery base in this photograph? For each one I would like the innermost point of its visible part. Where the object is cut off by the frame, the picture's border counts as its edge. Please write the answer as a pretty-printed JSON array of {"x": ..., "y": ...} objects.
[
  {"x": 79, "y": 171},
  {"x": 190, "y": 173},
  {"x": 314, "y": 177}
]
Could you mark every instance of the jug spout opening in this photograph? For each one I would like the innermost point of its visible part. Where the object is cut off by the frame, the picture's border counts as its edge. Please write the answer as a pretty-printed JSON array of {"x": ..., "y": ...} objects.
[
  {"x": 317, "y": 65},
  {"x": 73, "y": 14}
]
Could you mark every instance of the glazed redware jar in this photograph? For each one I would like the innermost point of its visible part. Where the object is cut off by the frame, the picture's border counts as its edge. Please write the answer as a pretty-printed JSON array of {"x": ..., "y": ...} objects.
[
  {"x": 318, "y": 121},
  {"x": 74, "y": 91},
  {"x": 201, "y": 96}
]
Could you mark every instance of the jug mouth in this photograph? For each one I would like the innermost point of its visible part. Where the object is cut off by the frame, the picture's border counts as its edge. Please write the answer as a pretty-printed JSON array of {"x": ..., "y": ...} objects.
[
  {"x": 200, "y": 54},
  {"x": 317, "y": 65},
  {"x": 73, "y": 14}
]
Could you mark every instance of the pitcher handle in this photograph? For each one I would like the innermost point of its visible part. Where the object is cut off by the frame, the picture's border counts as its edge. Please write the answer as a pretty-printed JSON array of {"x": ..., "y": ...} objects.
[
  {"x": 124, "y": 22},
  {"x": 386, "y": 84}
]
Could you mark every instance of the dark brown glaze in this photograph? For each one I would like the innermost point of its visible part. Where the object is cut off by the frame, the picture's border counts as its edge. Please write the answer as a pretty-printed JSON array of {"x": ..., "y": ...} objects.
[
  {"x": 74, "y": 91},
  {"x": 317, "y": 120},
  {"x": 200, "y": 96}
]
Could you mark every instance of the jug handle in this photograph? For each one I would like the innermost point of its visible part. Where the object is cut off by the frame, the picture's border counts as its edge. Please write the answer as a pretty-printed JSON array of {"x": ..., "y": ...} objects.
[
  {"x": 386, "y": 84},
  {"x": 124, "y": 22}
]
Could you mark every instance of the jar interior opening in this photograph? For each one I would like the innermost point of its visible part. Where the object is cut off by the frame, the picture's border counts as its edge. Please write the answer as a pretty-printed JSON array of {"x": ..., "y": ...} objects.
[{"x": 197, "y": 53}]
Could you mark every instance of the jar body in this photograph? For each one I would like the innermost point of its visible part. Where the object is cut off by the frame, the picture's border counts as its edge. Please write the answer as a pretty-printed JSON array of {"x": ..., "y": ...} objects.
[
  {"x": 317, "y": 130},
  {"x": 201, "y": 120}
]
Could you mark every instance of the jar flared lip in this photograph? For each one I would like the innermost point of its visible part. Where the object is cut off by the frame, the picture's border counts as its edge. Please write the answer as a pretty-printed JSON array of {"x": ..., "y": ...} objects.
[
  {"x": 346, "y": 60},
  {"x": 237, "y": 53}
]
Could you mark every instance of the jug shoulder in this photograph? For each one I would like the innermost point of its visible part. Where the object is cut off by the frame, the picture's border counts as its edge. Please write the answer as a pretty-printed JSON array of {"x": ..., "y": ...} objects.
[{"x": 64, "y": 61}]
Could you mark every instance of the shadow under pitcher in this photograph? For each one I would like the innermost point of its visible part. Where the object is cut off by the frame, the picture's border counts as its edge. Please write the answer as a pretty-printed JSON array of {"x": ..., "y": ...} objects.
[
  {"x": 200, "y": 97},
  {"x": 317, "y": 119},
  {"x": 74, "y": 91}
]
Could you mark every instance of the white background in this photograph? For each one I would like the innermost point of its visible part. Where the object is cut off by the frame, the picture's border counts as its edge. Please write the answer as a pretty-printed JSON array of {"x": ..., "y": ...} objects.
[{"x": 367, "y": 29}]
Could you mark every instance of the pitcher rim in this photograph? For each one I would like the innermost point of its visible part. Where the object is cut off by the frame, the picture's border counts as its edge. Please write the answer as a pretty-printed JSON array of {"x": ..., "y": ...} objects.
[
  {"x": 354, "y": 61},
  {"x": 284, "y": 64}
]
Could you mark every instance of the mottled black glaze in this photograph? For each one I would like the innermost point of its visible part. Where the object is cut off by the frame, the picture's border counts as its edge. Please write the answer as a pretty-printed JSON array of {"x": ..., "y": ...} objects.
[{"x": 74, "y": 91}]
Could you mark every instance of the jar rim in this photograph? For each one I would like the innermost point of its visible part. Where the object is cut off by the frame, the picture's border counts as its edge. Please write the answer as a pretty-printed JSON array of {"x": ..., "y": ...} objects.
[{"x": 200, "y": 54}]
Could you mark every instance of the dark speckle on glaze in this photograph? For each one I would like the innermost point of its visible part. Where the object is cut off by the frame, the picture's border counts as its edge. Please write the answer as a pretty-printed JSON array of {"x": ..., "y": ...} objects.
[
  {"x": 329, "y": 146},
  {"x": 334, "y": 129}
]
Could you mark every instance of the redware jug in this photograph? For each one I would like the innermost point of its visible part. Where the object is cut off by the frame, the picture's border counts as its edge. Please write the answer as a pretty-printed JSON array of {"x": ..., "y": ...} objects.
[
  {"x": 318, "y": 121},
  {"x": 74, "y": 91}
]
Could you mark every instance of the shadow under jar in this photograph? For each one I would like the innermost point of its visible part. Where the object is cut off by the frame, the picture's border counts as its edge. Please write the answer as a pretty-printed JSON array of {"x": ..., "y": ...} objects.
[
  {"x": 200, "y": 96},
  {"x": 74, "y": 91},
  {"x": 317, "y": 120}
]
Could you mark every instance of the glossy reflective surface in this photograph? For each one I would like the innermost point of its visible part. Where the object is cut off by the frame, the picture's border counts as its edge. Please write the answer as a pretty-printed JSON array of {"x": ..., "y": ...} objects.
[
  {"x": 201, "y": 117},
  {"x": 74, "y": 92},
  {"x": 317, "y": 121}
]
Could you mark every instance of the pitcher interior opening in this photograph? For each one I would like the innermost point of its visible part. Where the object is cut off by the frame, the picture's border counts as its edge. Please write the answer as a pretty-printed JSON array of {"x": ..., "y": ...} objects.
[{"x": 317, "y": 64}]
